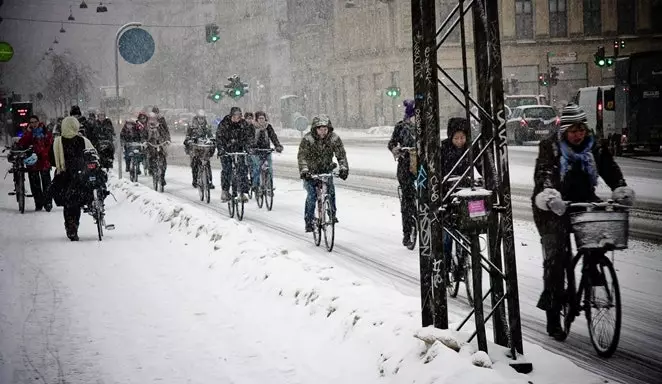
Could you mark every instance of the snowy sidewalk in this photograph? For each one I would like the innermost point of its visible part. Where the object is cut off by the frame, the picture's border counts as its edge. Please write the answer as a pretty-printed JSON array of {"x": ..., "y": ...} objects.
[{"x": 178, "y": 295}]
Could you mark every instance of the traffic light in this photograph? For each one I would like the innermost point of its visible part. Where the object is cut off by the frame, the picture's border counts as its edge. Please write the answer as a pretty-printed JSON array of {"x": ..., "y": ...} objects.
[
  {"x": 554, "y": 75},
  {"x": 622, "y": 44},
  {"x": 212, "y": 33},
  {"x": 609, "y": 61},
  {"x": 616, "y": 48},
  {"x": 599, "y": 57},
  {"x": 236, "y": 89},
  {"x": 393, "y": 92},
  {"x": 215, "y": 96},
  {"x": 543, "y": 79}
]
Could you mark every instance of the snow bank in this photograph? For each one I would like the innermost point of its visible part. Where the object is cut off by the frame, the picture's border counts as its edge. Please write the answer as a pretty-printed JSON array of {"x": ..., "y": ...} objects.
[{"x": 349, "y": 311}]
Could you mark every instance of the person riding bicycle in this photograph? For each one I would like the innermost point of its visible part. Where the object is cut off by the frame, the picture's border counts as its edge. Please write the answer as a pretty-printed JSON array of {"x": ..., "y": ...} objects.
[
  {"x": 264, "y": 136},
  {"x": 315, "y": 156},
  {"x": 157, "y": 134},
  {"x": 198, "y": 132},
  {"x": 233, "y": 135},
  {"x": 131, "y": 132},
  {"x": 567, "y": 170},
  {"x": 404, "y": 135},
  {"x": 103, "y": 140}
]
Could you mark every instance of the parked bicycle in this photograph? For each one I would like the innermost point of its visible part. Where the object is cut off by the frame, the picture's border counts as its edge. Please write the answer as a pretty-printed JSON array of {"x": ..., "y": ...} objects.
[
  {"x": 18, "y": 170},
  {"x": 136, "y": 157},
  {"x": 203, "y": 151},
  {"x": 265, "y": 192},
  {"x": 157, "y": 169},
  {"x": 236, "y": 203},
  {"x": 324, "y": 216},
  {"x": 598, "y": 228},
  {"x": 95, "y": 180}
]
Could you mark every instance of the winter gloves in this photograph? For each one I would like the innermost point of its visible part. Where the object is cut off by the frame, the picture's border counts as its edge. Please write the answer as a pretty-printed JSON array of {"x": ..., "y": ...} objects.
[
  {"x": 550, "y": 200},
  {"x": 623, "y": 195},
  {"x": 279, "y": 149},
  {"x": 343, "y": 173}
]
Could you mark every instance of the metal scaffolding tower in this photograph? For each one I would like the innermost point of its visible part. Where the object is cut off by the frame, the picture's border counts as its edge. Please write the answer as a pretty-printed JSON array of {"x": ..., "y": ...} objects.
[{"x": 483, "y": 208}]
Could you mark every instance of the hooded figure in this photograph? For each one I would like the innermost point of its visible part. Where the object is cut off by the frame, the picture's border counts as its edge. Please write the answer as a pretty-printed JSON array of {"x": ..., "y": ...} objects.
[
  {"x": 234, "y": 135},
  {"x": 264, "y": 136},
  {"x": 567, "y": 169},
  {"x": 67, "y": 189},
  {"x": 198, "y": 132},
  {"x": 315, "y": 156},
  {"x": 404, "y": 136}
]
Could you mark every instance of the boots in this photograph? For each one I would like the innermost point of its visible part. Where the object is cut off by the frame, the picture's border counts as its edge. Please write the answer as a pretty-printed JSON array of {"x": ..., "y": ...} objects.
[{"x": 554, "y": 328}]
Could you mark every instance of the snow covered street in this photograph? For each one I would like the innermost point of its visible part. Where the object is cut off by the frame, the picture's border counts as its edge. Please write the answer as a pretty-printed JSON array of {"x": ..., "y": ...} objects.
[{"x": 179, "y": 293}]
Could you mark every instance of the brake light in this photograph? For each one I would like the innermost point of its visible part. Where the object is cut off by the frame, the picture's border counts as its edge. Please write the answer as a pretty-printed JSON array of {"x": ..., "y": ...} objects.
[
  {"x": 523, "y": 123},
  {"x": 599, "y": 107}
]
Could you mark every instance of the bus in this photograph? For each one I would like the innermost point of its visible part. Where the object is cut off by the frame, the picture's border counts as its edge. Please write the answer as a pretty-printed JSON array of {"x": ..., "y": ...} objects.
[{"x": 638, "y": 100}]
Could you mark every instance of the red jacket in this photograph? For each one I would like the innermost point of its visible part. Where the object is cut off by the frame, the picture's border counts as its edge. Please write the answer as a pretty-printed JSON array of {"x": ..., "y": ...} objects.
[{"x": 40, "y": 145}]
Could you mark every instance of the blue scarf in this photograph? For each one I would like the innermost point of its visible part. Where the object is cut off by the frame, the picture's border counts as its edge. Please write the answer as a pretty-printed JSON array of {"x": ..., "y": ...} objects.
[
  {"x": 584, "y": 159},
  {"x": 38, "y": 133}
]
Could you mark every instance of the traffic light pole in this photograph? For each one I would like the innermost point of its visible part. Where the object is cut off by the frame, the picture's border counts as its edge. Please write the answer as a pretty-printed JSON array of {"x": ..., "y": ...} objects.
[
  {"x": 549, "y": 81},
  {"x": 118, "y": 144}
]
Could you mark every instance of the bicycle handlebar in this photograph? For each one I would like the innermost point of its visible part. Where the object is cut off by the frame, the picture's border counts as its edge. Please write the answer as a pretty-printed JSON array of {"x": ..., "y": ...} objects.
[
  {"x": 263, "y": 150},
  {"x": 323, "y": 175},
  {"x": 235, "y": 154},
  {"x": 601, "y": 204},
  {"x": 407, "y": 148}
]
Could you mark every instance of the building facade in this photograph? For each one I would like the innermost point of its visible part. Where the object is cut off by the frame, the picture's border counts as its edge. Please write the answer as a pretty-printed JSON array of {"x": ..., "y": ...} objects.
[{"x": 339, "y": 56}]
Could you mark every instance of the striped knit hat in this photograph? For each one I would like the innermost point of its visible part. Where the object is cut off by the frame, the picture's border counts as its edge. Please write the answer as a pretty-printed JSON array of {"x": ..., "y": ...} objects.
[{"x": 572, "y": 114}]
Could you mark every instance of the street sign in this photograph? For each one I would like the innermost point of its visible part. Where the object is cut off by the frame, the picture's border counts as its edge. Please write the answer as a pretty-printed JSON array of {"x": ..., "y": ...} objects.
[
  {"x": 136, "y": 46},
  {"x": 300, "y": 122},
  {"x": 6, "y": 52},
  {"x": 567, "y": 57}
]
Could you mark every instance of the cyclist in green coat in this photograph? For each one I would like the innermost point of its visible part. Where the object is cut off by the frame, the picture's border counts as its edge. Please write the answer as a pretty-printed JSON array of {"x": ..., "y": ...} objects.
[{"x": 315, "y": 156}]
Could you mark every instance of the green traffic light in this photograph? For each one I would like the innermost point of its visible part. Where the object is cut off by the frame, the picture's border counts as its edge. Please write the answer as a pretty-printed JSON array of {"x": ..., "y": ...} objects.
[
  {"x": 217, "y": 96},
  {"x": 214, "y": 38},
  {"x": 237, "y": 92},
  {"x": 601, "y": 62},
  {"x": 610, "y": 62}
]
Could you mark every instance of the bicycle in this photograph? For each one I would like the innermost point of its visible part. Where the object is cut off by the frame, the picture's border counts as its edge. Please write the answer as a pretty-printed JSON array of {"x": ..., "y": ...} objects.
[
  {"x": 136, "y": 156},
  {"x": 95, "y": 179},
  {"x": 598, "y": 228},
  {"x": 265, "y": 192},
  {"x": 158, "y": 166},
  {"x": 203, "y": 152},
  {"x": 18, "y": 170},
  {"x": 324, "y": 220},
  {"x": 236, "y": 203},
  {"x": 459, "y": 269},
  {"x": 414, "y": 229}
]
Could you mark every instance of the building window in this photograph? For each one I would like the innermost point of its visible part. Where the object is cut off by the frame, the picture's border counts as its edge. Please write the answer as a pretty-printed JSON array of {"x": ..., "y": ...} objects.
[
  {"x": 626, "y": 11},
  {"x": 558, "y": 18},
  {"x": 592, "y": 17},
  {"x": 656, "y": 11},
  {"x": 524, "y": 19}
]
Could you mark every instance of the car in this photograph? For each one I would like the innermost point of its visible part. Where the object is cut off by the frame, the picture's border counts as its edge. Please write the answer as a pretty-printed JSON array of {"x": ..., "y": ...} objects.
[
  {"x": 182, "y": 121},
  {"x": 514, "y": 101},
  {"x": 531, "y": 123}
]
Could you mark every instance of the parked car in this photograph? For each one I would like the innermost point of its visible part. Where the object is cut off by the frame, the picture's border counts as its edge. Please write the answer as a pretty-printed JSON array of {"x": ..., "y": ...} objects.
[
  {"x": 531, "y": 123},
  {"x": 514, "y": 101}
]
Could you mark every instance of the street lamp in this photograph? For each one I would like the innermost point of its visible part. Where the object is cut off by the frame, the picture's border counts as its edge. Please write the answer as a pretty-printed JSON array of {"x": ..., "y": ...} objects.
[
  {"x": 55, "y": 41},
  {"x": 101, "y": 8},
  {"x": 83, "y": 5},
  {"x": 117, "y": 85},
  {"x": 71, "y": 15},
  {"x": 62, "y": 28}
]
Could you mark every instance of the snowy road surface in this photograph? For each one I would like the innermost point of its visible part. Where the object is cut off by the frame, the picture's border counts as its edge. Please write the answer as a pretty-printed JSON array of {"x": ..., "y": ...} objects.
[
  {"x": 178, "y": 294},
  {"x": 368, "y": 243}
]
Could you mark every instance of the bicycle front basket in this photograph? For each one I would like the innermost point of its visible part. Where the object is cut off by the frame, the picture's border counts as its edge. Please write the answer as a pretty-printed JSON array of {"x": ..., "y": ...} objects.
[
  {"x": 600, "y": 229},
  {"x": 203, "y": 151}
]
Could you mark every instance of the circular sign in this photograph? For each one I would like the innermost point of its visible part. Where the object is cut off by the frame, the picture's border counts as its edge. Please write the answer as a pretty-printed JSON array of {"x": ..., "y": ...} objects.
[
  {"x": 300, "y": 123},
  {"x": 6, "y": 52},
  {"x": 136, "y": 46}
]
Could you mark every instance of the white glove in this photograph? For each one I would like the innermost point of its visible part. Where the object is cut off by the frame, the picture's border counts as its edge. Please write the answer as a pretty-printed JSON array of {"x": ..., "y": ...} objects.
[
  {"x": 623, "y": 195},
  {"x": 550, "y": 199}
]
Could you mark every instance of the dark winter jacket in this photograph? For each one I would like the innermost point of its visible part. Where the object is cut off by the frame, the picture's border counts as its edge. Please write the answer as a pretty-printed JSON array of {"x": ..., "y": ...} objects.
[
  {"x": 133, "y": 133},
  {"x": 316, "y": 155},
  {"x": 264, "y": 137},
  {"x": 450, "y": 154},
  {"x": 576, "y": 186},
  {"x": 40, "y": 145},
  {"x": 404, "y": 135},
  {"x": 234, "y": 137},
  {"x": 105, "y": 130},
  {"x": 197, "y": 131}
]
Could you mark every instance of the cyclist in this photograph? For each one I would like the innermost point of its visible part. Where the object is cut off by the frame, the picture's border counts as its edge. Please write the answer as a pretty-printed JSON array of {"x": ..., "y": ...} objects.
[
  {"x": 315, "y": 156},
  {"x": 567, "y": 169},
  {"x": 131, "y": 133},
  {"x": 404, "y": 135},
  {"x": 234, "y": 134},
  {"x": 157, "y": 134},
  {"x": 264, "y": 136},
  {"x": 198, "y": 130}
]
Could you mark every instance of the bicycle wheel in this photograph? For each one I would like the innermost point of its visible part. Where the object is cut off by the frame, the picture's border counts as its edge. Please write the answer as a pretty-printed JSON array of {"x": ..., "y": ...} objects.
[
  {"x": 207, "y": 190},
  {"x": 240, "y": 207},
  {"x": 453, "y": 285},
  {"x": 571, "y": 304},
  {"x": 268, "y": 191},
  {"x": 20, "y": 192},
  {"x": 468, "y": 277},
  {"x": 317, "y": 225},
  {"x": 134, "y": 171},
  {"x": 328, "y": 226},
  {"x": 259, "y": 193},
  {"x": 602, "y": 299},
  {"x": 98, "y": 213},
  {"x": 202, "y": 172},
  {"x": 231, "y": 202}
]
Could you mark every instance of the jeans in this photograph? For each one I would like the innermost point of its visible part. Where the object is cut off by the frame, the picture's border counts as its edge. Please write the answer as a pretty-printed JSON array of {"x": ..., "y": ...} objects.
[
  {"x": 226, "y": 174},
  {"x": 39, "y": 183},
  {"x": 311, "y": 199},
  {"x": 256, "y": 164}
]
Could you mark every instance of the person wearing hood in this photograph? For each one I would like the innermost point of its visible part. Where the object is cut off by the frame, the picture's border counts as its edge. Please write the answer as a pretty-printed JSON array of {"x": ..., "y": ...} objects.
[
  {"x": 39, "y": 174},
  {"x": 157, "y": 135},
  {"x": 67, "y": 155},
  {"x": 567, "y": 169},
  {"x": 198, "y": 131},
  {"x": 131, "y": 133},
  {"x": 264, "y": 137},
  {"x": 315, "y": 156},
  {"x": 85, "y": 125},
  {"x": 233, "y": 134},
  {"x": 404, "y": 135}
]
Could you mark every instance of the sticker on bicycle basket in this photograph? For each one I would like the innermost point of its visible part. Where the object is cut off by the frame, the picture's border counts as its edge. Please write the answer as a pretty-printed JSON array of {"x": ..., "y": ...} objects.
[{"x": 477, "y": 208}]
